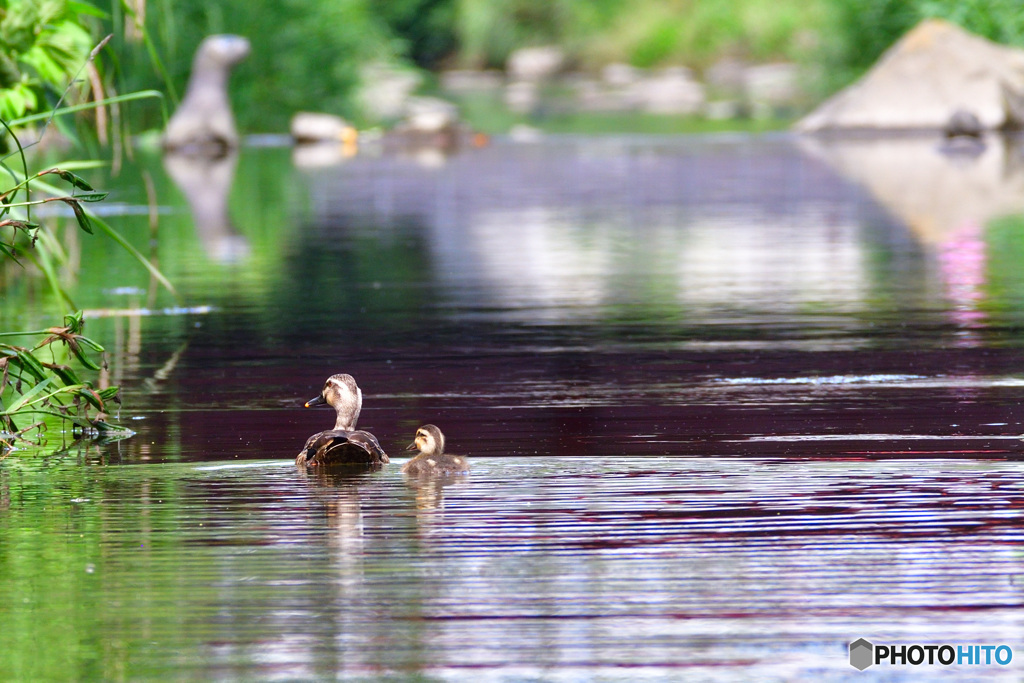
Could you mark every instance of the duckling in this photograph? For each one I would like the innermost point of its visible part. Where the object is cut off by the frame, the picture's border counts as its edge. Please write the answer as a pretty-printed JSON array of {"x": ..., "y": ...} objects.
[
  {"x": 432, "y": 458},
  {"x": 343, "y": 445}
]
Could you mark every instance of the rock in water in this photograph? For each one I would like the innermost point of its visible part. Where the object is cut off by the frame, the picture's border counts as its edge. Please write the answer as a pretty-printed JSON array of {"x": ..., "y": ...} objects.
[
  {"x": 203, "y": 121},
  {"x": 933, "y": 71}
]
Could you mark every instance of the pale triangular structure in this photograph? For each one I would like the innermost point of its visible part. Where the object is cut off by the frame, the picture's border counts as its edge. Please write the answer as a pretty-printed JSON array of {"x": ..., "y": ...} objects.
[{"x": 932, "y": 72}]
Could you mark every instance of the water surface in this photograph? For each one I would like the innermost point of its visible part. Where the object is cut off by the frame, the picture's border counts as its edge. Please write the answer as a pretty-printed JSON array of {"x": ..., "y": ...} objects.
[
  {"x": 541, "y": 568},
  {"x": 729, "y": 405}
]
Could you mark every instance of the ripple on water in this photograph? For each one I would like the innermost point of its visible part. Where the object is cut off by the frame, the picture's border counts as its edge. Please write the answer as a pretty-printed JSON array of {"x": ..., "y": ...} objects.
[{"x": 561, "y": 568}]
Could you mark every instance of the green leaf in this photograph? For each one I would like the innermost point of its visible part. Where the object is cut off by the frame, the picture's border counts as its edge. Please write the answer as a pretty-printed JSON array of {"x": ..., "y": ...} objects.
[
  {"x": 73, "y": 179},
  {"x": 90, "y": 343},
  {"x": 92, "y": 397},
  {"x": 79, "y": 7},
  {"x": 111, "y": 394},
  {"x": 83, "y": 358},
  {"x": 28, "y": 396},
  {"x": 83, "y": 219},
  {"x": 8, "y": 253},
  {"x": 66, "y": 375},
  {"x": 74, "y": 321},
  {"x": 31, "y": 364},
  {"x": 143, "y": 94},
  {"x": 93, "y": 196}
]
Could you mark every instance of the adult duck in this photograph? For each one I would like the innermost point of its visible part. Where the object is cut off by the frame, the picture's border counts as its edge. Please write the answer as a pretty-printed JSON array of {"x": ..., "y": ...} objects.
[{"x": 343, "y": 445}]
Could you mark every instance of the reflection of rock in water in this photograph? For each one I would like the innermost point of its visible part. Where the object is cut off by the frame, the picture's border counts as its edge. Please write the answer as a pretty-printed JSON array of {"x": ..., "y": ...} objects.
[
  {"x": 559, "y": 229},
  {"x": 946, "y": 199},
  {"x": 934, "y": 193},
  {"x": 206, "y": 183}
]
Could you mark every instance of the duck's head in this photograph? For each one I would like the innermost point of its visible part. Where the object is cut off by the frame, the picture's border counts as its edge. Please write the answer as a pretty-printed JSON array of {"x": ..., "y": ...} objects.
[
  {"x": 341, "y": 393},
  {"x": 429, "y": 439}
]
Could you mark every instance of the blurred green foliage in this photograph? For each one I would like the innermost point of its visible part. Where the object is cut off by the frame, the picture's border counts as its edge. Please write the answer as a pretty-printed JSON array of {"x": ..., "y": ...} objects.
[
  {"x": 425, "y": 29},
  {"x": 308, "y": 54},
  {"x": 857, "y": 32},
  {"x": 43, "y": 43},
  {"x": 40, "y": 386}
]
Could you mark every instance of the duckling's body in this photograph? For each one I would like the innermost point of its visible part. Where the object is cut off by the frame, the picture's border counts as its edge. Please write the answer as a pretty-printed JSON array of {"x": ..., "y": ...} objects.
[
  {"x": 432, "y": 458},
  {"x": 343, "y": 445}
]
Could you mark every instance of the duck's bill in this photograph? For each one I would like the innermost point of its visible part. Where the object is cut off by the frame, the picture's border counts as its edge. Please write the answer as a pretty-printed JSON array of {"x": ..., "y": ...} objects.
[
  {"x": 319, "y": 400},
  {"x": 412, "y": 447}
]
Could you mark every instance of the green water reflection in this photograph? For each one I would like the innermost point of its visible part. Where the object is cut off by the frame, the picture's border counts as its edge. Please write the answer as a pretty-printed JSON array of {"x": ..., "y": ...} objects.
[
  {"x": 520, "y": 569},
  {"x": 302, "y": 251}
]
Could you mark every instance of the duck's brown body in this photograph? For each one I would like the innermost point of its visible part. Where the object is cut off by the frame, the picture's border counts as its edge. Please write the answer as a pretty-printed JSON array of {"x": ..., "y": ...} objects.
[
  {"x": 338, "y": 446},
  {"x": 432, "y": 458},
  {"x": 343, "y": 445}
]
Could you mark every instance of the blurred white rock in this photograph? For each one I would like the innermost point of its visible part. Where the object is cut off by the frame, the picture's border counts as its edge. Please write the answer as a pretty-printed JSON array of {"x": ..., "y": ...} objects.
[
  {"x": 470, "y": 80},
  {"x": 535, "y": 63},
  {"x": 316, "y": 127},
  {"x": 430, "y": 114},
  {"x": 673, "y": 90},
  {"x": 932, "y": 72},
  {"x": 385, "y": 90}
]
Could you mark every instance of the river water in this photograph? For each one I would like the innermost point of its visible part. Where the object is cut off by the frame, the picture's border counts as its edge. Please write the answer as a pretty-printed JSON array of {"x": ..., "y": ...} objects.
[{"x": 731, "y": 403}]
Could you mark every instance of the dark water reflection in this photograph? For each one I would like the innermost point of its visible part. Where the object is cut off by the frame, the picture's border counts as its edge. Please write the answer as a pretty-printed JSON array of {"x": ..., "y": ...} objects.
[
  {"x": 592, "y": 297},
  {"x": 728, "y": 408}
]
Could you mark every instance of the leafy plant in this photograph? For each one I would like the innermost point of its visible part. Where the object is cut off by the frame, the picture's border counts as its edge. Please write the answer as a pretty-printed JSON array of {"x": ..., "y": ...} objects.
[
  {"x": 44, "y": 45},
  {"x": 39, "y": 382},
  {"x": 42, "y": 42},
  {"x": 31, "y": 386},
  {"x": 36, "y": 382}
]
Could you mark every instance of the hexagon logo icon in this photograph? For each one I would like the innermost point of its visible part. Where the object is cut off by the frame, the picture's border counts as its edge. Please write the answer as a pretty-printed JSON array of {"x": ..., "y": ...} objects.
[{"x": 862, "y": 654}]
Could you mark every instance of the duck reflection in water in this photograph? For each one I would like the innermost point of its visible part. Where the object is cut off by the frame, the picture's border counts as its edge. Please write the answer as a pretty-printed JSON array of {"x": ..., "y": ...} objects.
[{"x": 344, "y": 445}]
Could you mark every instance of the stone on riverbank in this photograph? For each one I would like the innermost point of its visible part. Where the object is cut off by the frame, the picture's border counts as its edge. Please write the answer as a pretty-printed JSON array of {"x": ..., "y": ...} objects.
[{"x": 931, "y": 73}]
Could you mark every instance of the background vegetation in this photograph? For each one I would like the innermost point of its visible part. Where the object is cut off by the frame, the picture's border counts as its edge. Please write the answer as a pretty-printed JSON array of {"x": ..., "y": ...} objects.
[{"x": 307, "y": 54}]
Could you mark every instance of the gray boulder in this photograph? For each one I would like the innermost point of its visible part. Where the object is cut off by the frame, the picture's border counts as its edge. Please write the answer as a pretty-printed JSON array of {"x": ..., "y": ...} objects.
[
  {"x": 203, "y": 120},
  {"x": 934, "y": 71}
]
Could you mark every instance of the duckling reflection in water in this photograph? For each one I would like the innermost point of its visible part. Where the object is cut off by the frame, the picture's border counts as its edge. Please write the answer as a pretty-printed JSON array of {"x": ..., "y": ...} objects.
[
  {"x": 343, "y": 445},
  {"x": 432, "y": 458}
]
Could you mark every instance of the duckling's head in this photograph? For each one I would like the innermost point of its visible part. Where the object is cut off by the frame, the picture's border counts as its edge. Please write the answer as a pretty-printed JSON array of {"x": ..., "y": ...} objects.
[
  {"x": 341, "y": 393},
  {"x": 429, "y": 440}
]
